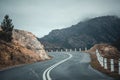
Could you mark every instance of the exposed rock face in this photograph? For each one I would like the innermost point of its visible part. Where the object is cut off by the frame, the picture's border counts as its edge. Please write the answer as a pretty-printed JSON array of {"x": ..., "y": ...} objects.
[
  {"x": 105, "y": 29},
  {"x": 24, "y": 48},
  {"x": 13, "y": 54},
  {"x": 28, "y": 40}
]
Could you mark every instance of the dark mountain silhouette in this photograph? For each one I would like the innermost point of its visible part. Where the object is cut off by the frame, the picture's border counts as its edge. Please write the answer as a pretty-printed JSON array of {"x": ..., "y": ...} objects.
[{"x": 105, "y": 29}]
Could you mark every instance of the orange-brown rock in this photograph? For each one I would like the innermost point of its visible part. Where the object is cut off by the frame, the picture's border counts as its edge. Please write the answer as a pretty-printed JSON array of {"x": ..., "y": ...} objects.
[
  {"x": 28, "y": 40},
  {"x": 106, "y": 50},
  {"x": 24, "y": 48}
]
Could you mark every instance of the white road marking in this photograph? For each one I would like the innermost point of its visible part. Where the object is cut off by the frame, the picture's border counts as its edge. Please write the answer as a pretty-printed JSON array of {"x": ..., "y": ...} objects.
[{"x": 46, "y": 73}]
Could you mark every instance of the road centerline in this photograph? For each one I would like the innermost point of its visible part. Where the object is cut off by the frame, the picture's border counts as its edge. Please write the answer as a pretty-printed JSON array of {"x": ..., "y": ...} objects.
[{"x": 46, "y": 73}]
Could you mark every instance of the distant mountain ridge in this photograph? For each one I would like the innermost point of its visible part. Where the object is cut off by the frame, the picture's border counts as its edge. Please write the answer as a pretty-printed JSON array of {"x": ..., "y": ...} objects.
[{"x": 105, "y": 29}]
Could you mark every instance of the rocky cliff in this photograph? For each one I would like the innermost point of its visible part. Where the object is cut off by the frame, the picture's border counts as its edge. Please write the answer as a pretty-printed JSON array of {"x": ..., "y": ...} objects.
[
  {"x": 105, "y": 29},
  {"x": 28, "y": 40},
  {"x": 117, "y": 44},
  {"x": 24, "y": 48}
]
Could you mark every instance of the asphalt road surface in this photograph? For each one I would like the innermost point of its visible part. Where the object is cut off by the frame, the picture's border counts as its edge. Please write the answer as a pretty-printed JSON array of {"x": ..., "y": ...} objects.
[{"x": 64, "y": 66}]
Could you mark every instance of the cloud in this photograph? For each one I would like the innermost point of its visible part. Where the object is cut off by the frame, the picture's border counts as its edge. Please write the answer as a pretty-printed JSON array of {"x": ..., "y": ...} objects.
[{"x": 41, "y": 16}]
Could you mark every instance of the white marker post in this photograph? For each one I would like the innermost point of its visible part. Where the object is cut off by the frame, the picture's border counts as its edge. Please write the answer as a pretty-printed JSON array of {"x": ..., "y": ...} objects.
[
  {"x": 96, "y": 50},
  {"x": 85, "y": 49},
  {"x": 119, "y": 66},
  {"x": 66, "y": 50},
  {"x": 51, "y": 50},
  {"x": 102, "y": 61},
  {"x": 80, "y": 49},
  {"x": 105, "y": 63},
  {"x": 70, "y": 50},
  {"x": 75, "y": 50},
  {"x": 112, "y": 65}
]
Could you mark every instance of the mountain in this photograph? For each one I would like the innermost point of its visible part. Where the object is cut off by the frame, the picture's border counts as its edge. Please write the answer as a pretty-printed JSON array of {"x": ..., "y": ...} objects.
[
  {"x": 104, "y": 29},
  {"x": 24, "y": 48}
]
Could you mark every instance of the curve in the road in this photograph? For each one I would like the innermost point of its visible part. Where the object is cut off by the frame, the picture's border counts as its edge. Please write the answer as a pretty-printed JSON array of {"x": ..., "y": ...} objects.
[{"x": 46, "y": 73}]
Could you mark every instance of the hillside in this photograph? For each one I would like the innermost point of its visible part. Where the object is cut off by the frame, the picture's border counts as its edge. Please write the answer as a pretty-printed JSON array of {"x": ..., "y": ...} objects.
[
  {"x": 117, "y": 44},
  {"x": 24, "y": 48},
  {"x": 105, "y": 29},
  {"x": 106, "y": 50}
]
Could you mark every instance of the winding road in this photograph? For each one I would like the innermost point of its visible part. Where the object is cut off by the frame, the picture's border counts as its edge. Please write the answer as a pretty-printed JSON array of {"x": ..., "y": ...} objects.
[
  {"x": 47, "y": 71},
  {"x": 64, "y": 66}
]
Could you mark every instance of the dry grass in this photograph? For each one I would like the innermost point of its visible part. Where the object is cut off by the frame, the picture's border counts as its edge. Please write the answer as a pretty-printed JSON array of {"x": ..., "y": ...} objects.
[
  {"x": 109, "y": 52},
  {"x": 106, "y": 50},
  {"x": 12, "y": 54},
  {"x": 95, "y": 64}
]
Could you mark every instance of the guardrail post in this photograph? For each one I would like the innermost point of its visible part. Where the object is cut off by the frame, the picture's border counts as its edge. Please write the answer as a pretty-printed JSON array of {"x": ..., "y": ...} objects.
[
  {"x": 97, "y": 53},
  {"x": 85, "y": 49},
  {"x": 66, "y": 50},
  {"x": 100, "y": 58},
  {"x": 75, "y": 50},
  {"x": 119, "y": 65},
  {"x": 80, "y": 49},
  {"x": 70, "y": 50},
  {"x": 102, "y": 61},
  {"x": 112, "y": 65},
  {"x": 51, "y": 50},
  {"x": 105, "y": 63},
  {"x": 96, "y": 50},
  {"x": 61, "y": 50}
]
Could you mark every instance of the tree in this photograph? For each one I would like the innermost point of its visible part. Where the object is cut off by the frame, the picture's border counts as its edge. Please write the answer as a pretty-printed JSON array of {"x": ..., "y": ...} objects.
[
  {"x": 7, "y": 28},
  {"x": 6, "y": 25}
]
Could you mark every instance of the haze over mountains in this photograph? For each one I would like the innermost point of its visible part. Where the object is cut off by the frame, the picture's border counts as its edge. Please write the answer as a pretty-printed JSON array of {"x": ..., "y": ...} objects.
[{"x": 104, "y": 29}]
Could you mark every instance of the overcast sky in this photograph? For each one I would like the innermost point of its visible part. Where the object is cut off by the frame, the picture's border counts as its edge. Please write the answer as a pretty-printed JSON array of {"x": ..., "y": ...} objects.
[{"x": 42, "y": 16}]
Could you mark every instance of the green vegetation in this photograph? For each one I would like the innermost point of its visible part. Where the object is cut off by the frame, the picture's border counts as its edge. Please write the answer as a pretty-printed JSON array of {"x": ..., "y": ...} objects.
[{"x": 7, "y": 28}]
